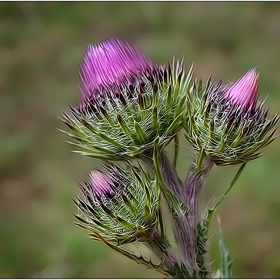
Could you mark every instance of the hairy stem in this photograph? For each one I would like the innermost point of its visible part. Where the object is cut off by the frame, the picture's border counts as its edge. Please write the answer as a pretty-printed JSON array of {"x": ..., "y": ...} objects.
[
  {"x": 193, "y": 183},
  {"x": 170, "y": 176},
  {"x": 186, "y": 226}
]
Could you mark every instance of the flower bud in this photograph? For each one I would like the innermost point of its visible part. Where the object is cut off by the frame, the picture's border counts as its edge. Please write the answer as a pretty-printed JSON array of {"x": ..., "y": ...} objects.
[
  {"x": 226, "y": 123},
  {"x": 119, "y": 205},
  {"x": 245, "y": 91},
  {"x": 128, "y": 103}
]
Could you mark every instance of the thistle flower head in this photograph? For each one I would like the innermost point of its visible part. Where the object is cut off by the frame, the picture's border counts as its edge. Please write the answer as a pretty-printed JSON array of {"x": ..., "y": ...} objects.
[
  {"x": 119, "y": 205},
  {"x": 226, "y": 124},
  {"x": 129, "y": 103},
  {"x": 245, "y": 91},
  {"x": 110, "y": 64}
]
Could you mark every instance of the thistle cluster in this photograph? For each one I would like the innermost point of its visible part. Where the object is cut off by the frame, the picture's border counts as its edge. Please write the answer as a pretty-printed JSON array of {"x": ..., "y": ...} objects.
[{"x": 130, "y": 110}]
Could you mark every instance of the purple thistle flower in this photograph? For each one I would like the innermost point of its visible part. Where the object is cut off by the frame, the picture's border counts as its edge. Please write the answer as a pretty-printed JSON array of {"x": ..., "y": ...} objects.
[
  {"x": 128, "y": 102},
  {"x": 101, "y": 183},
  {"x": 108, "y": 65},
  {"x": 245, "y": 91}
]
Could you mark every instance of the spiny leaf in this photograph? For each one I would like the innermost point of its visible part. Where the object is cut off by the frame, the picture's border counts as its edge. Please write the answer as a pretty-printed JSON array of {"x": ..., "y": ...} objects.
[
  {"x": 155, "y": 118},
  {"x": 140, "y": 260},
  {"x": 181, "y": 106},
  {"x": 106, "y": 115},
  {"x": 109, "y": 140},
  {"x": 123, "y": 125},
  {"x": 140, "y": 132},
  {"x": 95, "y": 155},
  {"x": 175, "y": 124}
]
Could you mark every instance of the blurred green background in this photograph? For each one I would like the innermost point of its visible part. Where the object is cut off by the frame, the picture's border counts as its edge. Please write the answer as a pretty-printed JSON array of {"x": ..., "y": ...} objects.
[{"x": 42, "y": 45}]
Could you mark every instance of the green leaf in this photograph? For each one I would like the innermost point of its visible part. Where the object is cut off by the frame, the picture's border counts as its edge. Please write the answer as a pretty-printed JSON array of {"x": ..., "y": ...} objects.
[
  {"x": 106, "y": 115},
  {"x": 140, "y": 133},
  {"x": 181, "y": 106},
  {"x": 155, "y": 98},
  {"x": 109, "y": 140},
  {"x": 96, "y": 155},
  {"x": 169, "y": 98},
  {"x": 226, "y": 261},
  {"x": 155, "y": 118},
  {"x": 123, "y": 125},
  {"x": 174, "y": 125}
]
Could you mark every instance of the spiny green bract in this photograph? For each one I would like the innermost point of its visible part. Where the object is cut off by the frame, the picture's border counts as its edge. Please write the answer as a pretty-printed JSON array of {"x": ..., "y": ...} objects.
[
  {"x": 124, "y": 126},
  {"x": 129, "y": 215},
  {"x": 226, "y": 133}
]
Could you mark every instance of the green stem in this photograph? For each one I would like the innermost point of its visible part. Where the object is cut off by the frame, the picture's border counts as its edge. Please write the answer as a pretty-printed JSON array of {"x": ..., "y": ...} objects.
[
  {"x": 176, "y": 152},
  {"x": 166, "y": 174}
]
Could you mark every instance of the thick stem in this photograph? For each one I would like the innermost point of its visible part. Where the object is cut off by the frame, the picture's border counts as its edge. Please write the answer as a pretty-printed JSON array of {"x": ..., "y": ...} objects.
[
  {"x": 194, "y": 181},
  {"x": 182, "y": 235},
  {"x": 187, "y": 225}
]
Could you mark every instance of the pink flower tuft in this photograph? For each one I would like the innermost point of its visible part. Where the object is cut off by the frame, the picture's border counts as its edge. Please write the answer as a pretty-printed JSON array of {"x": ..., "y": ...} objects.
[
  {"x": 245, "y": 91},
  {"x": 101, "y": 183},
  {"x": 107, "y": 63}
]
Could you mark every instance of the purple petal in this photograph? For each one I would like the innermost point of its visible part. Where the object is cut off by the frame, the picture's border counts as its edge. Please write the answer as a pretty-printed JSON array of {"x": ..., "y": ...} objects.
[
  {"x": 101, "y": 183},
  {"x": 245, "y": 91},
  {"x": 108, "y": 63}
]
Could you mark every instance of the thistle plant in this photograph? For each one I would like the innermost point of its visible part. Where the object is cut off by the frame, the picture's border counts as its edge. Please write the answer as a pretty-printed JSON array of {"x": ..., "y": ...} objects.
[{"x": 130, "y": 110}]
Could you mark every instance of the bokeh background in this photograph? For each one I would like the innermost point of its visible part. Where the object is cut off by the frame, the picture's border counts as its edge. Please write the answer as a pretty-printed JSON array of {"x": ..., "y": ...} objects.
[{"x": 41, "y": 47}]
